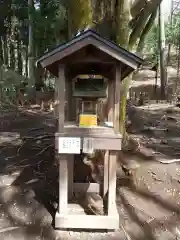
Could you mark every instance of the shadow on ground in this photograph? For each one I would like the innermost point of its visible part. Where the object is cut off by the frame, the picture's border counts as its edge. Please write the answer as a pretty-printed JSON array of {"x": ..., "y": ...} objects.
[
  {"x": 142, "y": 226},
  {"x": 159, "y": 128},
  {"x": 29, "y": 202}
]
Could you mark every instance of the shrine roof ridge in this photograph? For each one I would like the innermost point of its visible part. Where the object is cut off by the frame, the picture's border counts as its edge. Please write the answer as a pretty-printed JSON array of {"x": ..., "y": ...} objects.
[{"x": 99, "y": 38}]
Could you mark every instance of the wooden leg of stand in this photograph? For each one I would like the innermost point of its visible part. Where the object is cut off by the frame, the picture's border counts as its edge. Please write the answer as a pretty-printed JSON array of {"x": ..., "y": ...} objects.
[
  {"x": 63, "y": 184},
  {"x": 112, "y": 183},
  {"x": 70, "y": 175},
  {"x": 106, "y": 173}
]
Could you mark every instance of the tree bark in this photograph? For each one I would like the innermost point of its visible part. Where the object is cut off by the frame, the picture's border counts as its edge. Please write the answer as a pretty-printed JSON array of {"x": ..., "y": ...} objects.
[
  {"x": 5, "y": 50},
  {"x": 11, "y": 55},
  {"x": 138, "y": 5},
  {"x": 30, "y": 45},
  {"x": 146, "y": 31},
  {"x": 19, "y": 56},
  {"x": 122, "y": 19},
  {"x": 81, "y": 13},
  {"x": 1, "y": 51},
  {"x": 141, "y": 19},
  {"x": 176, "y": 88},
  {"x": 162, "y": 49},
  {"x": 124, "y": 92},
  {"x": 169, "y": 45},
  {"x": 69, "y": 19}
]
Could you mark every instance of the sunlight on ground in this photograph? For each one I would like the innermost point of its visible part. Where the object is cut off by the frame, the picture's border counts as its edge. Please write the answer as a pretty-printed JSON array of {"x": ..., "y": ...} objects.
[
  {"x": 155, "y": 106},
  {"x": 9, "y": 137}
]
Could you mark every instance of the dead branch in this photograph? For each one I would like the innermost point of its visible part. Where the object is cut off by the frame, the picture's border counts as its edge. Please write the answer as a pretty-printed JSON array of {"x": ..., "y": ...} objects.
[
  {"x": 38, "y": 137},
  {"x": 43, "y": 150},
  {"x": 35, "y": 129},
  {"x": 37, "y": 154},
  {"x": 125, "y": 233}
]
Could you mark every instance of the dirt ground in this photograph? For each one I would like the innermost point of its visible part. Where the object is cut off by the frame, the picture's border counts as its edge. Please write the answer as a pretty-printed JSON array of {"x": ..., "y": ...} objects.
[{"x": 148, "y": 207}]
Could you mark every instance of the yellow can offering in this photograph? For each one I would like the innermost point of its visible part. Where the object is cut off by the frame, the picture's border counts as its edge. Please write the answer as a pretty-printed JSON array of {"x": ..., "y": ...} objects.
[{"x": 87, "y": 120}]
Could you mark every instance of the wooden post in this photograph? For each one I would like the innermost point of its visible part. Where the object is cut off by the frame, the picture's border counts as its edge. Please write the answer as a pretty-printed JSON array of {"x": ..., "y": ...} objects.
[
  {"x": 106, "y": 173},
  {"x": 63, "y": 163},
  {"x": 61, "y": 97},
  {"x": 69, "y": 117},
  {"x": 56, "y": 100},
  {"x": 70, "y": 175},
  {"x": 112, "y": 183},
  {"x": 69, "y": 99},
  {"x": 117, "y": 98},
  {"x": 63, "y": 184},
  {"x": 111, "y": 101},
  {"x": 113, "y": 154},
  {"x": 73, "y": 102}
]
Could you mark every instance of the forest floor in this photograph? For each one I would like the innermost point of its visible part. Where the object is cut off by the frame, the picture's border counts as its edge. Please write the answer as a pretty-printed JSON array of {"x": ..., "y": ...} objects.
[{"x": 148, "y": 208}]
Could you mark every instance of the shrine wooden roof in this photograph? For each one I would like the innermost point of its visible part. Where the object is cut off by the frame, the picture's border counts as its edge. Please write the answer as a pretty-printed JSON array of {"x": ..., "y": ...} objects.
[{"x": 67, "y": 53}]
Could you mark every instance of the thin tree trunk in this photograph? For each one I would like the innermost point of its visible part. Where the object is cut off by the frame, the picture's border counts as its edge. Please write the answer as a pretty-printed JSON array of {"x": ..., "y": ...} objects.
[
  {"x": 162, "y": 49},
  {"x": 26, "y": 62},
  {"x": 5, "y": 50},
  {"x": 169, "y": 45},
  {"x": 1, "y": 51},
  {"x": 19, "y": 56},
  {"x": 11, "y": 55},
  {"x": 31, "y": 45},
  {"x": 178, "y": 69},
  {"x": 9, "y": 35}
]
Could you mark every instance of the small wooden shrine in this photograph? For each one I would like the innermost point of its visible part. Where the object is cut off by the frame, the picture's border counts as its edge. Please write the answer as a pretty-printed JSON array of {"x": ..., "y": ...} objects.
[{"x": 89, "y": 70}]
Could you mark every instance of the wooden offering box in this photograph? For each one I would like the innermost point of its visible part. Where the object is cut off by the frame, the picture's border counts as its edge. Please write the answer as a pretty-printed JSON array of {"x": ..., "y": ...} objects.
[{"x": 87, "y": 53}]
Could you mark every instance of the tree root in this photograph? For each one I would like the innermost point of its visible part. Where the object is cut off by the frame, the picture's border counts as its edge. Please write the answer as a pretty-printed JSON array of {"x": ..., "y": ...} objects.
[{"x": 130, "y": 144}]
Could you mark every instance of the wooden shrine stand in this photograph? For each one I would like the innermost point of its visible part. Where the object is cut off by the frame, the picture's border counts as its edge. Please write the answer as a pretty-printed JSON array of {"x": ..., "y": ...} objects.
[{"x": 88, "y": 53}]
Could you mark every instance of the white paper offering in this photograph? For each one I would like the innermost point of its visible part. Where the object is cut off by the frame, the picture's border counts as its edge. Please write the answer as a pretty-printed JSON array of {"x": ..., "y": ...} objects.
[
  {"x": 69, "y": 145},
  {"x": 88, "y": 145}
]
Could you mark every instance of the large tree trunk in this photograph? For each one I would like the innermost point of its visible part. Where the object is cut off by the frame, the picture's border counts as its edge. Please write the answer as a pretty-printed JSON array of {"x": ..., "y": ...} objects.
[
  {"x": 138, "y": 5},
  {"x": 140, "y": 17},
  {"x": 123, "y": 17},
  {"x": 146, "y": 31},
  {"x": 80, "y": 12},
  {"x": 69, "y": 21}
]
